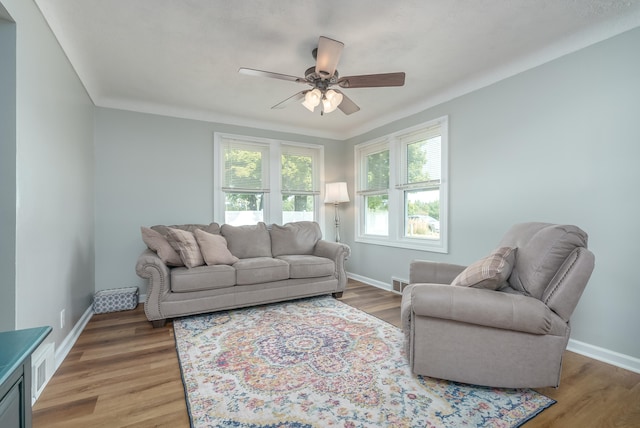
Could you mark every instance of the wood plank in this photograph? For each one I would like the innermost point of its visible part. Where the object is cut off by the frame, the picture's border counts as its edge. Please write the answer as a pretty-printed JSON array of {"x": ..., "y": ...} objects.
[{"x": 122, "y": 372}]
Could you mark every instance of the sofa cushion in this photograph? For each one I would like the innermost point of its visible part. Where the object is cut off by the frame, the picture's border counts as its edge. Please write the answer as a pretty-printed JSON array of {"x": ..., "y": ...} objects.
[
  {"x": 199, "y": 278},
  {"x": 214, "y": 248},
  {"x": 303, "y": 266},
  {"x": 490, "y": 272},
  {"x": 211, "y": 228},
  {"x": 260, "y": 269},
  {"x": 186, "y": 245},
  {"x": 542, "y": 249},
  {"x": 158, "y": 243},
  {"x": 294, "y": 238},
  {"x": 247, "y": 241}
]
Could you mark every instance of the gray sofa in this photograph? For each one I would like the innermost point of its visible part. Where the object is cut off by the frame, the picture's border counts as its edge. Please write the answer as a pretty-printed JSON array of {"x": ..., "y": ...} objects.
[{"x": 265, "y": 264}]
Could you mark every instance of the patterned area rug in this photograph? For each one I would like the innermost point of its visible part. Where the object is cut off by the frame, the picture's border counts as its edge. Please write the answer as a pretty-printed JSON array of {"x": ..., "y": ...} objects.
[{"x": 321, "y": 363}]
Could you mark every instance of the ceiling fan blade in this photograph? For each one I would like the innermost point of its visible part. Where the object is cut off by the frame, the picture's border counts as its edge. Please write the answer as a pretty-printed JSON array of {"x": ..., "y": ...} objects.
[
  {"x": 260, "y": 73},
  {"x": 372, "y": 80},
  {"x": 347, "y": 105},
  {"x": 297, "y": 97},
  {"x": 327, "y": 56}
]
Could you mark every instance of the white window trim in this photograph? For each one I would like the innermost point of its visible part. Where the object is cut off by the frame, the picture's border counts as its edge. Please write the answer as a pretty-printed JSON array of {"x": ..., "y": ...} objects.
[
  {"x": 273, "y": 193},
  {"x": 396, "y": 236}
]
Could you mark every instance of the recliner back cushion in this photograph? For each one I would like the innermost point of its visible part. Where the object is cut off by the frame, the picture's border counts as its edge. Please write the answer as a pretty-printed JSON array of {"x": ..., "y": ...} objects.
[
  {"x": 542, "y": 249},
  {"x": 298, "y": 238},
  {"x": 247, "y": 241}
]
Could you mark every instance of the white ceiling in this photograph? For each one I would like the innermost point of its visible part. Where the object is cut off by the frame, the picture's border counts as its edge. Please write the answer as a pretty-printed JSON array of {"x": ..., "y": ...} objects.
[{"x": 181, "y": 57}]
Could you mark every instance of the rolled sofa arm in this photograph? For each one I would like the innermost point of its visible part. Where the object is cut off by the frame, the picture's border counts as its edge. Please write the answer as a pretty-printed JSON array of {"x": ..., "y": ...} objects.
[
  {"x": 482, "y": 307},
  {"x": 433, "y": 272},
  {"x": 337, "y": 252},
  {"x": 152, "y": 268}
]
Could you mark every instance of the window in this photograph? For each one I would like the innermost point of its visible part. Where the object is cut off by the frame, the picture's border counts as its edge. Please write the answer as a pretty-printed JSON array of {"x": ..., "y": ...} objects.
[
  {"x": 246, "y": 181},
  {"x": 401, "y": 188},
  {"x": 265, "y": 180},
  {"x": 299, "y": 186},
  {"x": 375, "y": 189}
]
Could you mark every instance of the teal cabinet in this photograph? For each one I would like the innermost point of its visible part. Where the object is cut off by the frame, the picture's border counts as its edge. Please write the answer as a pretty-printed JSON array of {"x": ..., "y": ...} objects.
[{"x": 16, "y": 348}]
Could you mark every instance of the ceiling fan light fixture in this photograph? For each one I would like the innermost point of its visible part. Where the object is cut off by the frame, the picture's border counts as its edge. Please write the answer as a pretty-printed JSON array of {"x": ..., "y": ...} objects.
[
  {"x": 312, "y": 99},
  {"x": 331, "y": 100}
]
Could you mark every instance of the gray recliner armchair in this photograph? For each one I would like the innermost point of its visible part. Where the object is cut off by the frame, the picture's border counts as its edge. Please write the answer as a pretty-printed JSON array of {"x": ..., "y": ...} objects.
[{"x": 503, "y": 321}]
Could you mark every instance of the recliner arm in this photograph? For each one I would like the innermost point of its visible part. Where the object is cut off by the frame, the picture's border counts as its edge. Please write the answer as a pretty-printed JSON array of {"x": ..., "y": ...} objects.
[
  {"x": 433, "y": 272},
  {"x": 482, "y": 307}
]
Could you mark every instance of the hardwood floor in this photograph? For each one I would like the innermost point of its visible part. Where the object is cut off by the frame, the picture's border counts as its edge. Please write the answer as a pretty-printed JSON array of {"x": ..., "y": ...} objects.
[{"x": 123, "y": 373}]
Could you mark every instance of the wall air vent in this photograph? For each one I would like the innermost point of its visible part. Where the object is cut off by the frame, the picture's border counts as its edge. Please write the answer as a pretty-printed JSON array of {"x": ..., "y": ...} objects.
[{"x": 42, "y": 368}]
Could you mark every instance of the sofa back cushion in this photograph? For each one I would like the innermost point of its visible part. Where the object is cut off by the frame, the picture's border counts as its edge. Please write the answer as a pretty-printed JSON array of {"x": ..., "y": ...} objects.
[
  {"x": 247, "y": 241},
  {"x": 210, "y": 228},
  {"x": 298, "y": 238},
  {"x": 542, "y": 250}
]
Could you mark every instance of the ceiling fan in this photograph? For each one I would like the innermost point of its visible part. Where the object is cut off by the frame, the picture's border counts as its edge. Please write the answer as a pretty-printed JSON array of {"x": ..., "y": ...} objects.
[{"x": 324, "y": 76}]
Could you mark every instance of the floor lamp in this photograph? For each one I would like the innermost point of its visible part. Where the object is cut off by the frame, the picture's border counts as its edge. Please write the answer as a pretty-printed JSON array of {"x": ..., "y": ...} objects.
[{"x": 336, "y": 193}]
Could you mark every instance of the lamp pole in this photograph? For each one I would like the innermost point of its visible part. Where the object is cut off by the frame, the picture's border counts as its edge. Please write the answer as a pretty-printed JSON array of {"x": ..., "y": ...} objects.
[{"x": 336, "y": 219}]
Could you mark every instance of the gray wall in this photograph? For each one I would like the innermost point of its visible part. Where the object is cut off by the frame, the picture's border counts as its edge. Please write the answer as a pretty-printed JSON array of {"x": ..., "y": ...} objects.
[
  {"x": 7, "y": 172},
  {"x": 559, "y": 143},
  {"x": 157, "y": 170},
  {"x": 54, "y": 203}
]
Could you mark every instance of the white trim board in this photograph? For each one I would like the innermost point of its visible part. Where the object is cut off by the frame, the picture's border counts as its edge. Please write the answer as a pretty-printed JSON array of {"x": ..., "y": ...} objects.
[{"x": 608, "y": 356}]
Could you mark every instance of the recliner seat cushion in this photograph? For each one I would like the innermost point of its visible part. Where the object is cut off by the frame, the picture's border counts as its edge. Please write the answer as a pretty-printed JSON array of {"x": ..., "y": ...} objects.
[
  {"x": 248, "y": 241},
  {"x": 184, "y": 280},
  {"x": 303, "y": 266},
  {"x": 542, "y": 249},
  {"x": 294, "y": 238},
  {"x": 260, "y": 269}
]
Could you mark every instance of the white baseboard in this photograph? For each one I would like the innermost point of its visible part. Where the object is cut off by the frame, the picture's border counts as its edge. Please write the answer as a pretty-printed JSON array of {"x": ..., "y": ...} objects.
[
  {"x": 608, "y": 356},
  {"x": 617, "y": 359},
  {"x": 373, "y": 282},
  {"x": 65, "y": 347}
]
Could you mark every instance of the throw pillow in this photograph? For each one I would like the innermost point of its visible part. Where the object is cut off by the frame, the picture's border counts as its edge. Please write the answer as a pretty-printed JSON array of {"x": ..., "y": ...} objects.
[
  {"x": 186, "y": 245},
  {"x": 214, "y": 249},
  {"x": 158, "y": 243},
  {"x": 490, "y": 272}
]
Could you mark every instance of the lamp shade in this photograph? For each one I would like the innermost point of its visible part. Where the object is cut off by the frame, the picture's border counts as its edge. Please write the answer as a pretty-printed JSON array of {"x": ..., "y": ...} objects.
[{"x": 336, "y": 193}]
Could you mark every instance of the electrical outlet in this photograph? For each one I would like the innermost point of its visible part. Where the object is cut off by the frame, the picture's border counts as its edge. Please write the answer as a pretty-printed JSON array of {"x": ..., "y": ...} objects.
[{"x": 62, "y": 318}]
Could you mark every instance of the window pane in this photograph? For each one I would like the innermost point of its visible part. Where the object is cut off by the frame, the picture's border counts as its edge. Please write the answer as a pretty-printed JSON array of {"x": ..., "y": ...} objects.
[
  {"x": 377, "y": 170},
  {"x": 243, "y": 208},
  {"x": 297, "y": 172},
  {"x": 422, "y": 214},
  {"x": 297, "y": 208},
  {"x": 376, "y": 221},
  {"x": 423, "y": 160},
  {"x": 243, "y": 168}
]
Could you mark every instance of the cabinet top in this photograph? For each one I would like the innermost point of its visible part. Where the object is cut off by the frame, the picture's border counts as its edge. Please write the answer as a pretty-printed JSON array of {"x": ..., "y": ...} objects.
[{"x": 16, "y": 346}]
